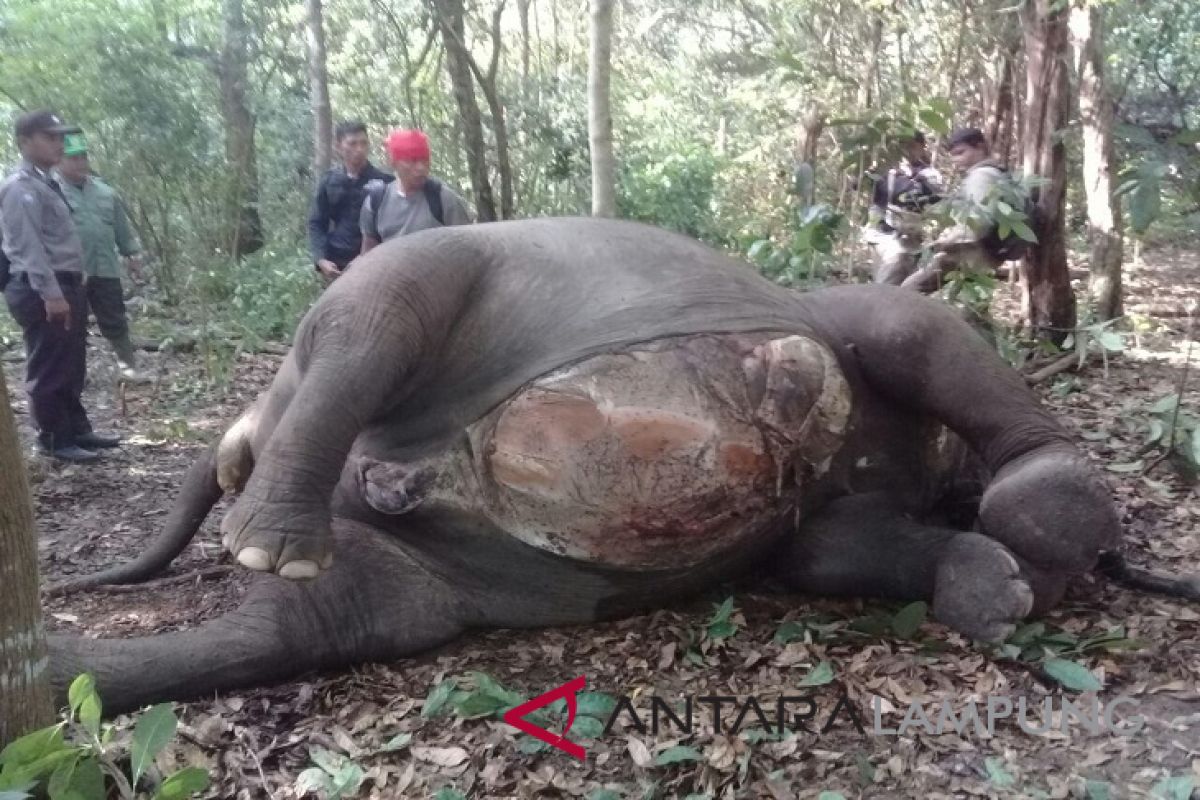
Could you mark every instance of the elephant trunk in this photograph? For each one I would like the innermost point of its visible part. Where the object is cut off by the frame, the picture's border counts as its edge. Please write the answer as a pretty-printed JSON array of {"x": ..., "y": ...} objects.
[
  {"x": 199, "y": 494},
  {"x": 242, "y": 648},
  {"x": 375, "y": 604}
]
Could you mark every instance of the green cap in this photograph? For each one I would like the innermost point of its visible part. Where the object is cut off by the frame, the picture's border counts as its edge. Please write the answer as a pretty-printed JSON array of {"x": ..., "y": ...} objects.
[{"x": 74, "y": 144}]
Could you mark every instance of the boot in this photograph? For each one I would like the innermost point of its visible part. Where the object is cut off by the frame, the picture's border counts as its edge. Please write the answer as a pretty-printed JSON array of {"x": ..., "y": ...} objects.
[{"x": 127, "y": 361}]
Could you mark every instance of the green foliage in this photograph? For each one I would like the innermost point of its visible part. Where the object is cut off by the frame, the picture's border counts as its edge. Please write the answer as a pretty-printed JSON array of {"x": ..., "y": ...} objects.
[
  {"x": 76, "y": 760},
  {"x": 804, "y": 257},
  {"x": 1174, "y": 430},
  {"x": 1142, "y": 188}
]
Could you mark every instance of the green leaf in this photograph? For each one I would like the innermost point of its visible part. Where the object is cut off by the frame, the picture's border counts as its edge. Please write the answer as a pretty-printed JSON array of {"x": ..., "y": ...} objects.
[
  {"x": 448, "y": 793},
  {"x": 1098, "y": 790},
  {"x": 789, "y": 632},
  {"x": 438, "y": 697},
  {"x": 1179, "y": 788},
  {"x": 314, "y": 779},
  {"x": 478, "y": 704},
  {"x": 819, "y": 675},
  {"x": 721, "y": 630},
  {"x": 33, "y": 746},
  {"x": 996, "y": 772},
  {"x": 153, "y": 731},
  {"x": 1165, "y": 404},
  {"x": 1024, "y": 231},
  {"x": 1135, "y": 466},
  {"x": 723, "y": 612},
  {"x": 493, "y": 688},
  {"x": 831, "y": 796},
  {"x": 62, "y": 777},
  {"x": 17, "y": 794},
  {"x": 83, "y": 687},
  {"x": 588, "y": 727},
  {"x": 89, "y": 714},
  {"x": 530, "y": 746},
  {"x": 183, "y": 784},
  {"x": 595, "y": 704},
  {"x": 676, "y": 755},
  {"x": 1111, "y": 341},
  {"x": 603, "y": 794},
  {"x": 1071, "y": 675},
  {"x": 87, "y": 781},
  {"x": 909, "y": 619},
  {"x": 397, "y": 742}
]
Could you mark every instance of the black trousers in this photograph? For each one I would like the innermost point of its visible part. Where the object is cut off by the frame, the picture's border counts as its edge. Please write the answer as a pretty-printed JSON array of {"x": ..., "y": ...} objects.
[
  {"x": 56, "y": 359},
  {"x": 106, "y": 298}
]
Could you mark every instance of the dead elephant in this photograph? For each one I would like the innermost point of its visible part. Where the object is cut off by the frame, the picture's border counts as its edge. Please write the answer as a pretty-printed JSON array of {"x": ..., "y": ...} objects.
[{"x": 559, "y": 421}]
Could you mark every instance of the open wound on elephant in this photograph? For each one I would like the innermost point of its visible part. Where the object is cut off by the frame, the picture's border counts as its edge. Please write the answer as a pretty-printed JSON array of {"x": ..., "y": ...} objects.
[{"x": 631, "y": 458}]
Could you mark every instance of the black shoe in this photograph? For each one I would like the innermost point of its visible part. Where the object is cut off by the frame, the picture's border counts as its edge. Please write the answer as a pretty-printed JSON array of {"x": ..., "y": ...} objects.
[
  {"x": 73, "y": 453},
  {"x": 97, "y": 440}
]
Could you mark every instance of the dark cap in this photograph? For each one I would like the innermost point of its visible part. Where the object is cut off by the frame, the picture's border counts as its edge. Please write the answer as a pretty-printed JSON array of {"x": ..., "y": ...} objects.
[
  {"x": 42, "y": 122},
  {"x": 913, "y": 136},
  {"x": 968, "y": 136}
]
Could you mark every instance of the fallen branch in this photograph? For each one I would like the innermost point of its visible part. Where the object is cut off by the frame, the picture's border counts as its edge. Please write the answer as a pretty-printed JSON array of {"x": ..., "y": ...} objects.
[
  {"x": 1060, "y": 364},
  {"x": 204, "y": 574}
]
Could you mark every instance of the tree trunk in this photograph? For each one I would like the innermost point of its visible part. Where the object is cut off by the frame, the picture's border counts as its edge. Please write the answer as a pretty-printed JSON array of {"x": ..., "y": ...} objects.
[
  {"x": 318, "y": 82},
  {"x": 1048, "y": 302},
  {"x": 871, "y": 69},
  {"x": 449, "y": 15},
  {"x": 1001, "y": 108},
  {"x": 1096, "y": 114},
  {"x": 25, "y": 702},
  {"x": 240, "y": 152},
  {"x": 600, "y": 125}
]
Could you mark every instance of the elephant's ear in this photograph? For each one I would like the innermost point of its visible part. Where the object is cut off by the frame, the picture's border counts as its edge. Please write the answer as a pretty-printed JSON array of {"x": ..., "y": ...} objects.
[{"x": 392, "y": 488}]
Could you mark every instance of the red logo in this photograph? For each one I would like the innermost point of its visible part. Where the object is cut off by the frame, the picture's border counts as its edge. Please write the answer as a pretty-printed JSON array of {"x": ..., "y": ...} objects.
[{"x": 516, "y": 717}]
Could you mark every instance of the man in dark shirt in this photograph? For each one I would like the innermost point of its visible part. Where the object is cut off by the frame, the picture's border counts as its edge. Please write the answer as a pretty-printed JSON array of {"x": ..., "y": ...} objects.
[{"x": 333, "y": 226}]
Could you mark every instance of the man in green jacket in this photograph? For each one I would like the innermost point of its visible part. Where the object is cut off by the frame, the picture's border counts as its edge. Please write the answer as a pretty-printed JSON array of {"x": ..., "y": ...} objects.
[{"x": 104, "y": 227}]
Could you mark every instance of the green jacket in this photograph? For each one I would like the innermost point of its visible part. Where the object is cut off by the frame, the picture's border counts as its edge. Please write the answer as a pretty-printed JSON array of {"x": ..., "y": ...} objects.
[{"x": 103, "y": 226}]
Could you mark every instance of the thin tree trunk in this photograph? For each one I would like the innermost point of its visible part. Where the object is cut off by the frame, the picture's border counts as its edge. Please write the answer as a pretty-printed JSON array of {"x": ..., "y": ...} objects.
[
  {"x": 25, "y": 700},
  {"x": 1096, "y": 114},
  {"x": 318, "y": 82},
  {"x": 449, "y": 15},
  {"x": 1049, "y": 302},
  {"x": 600, "y": 125},
  {"x": 1001, "y": 108},
  {"x": 240, "y": 152},
  {"x": 865, "y": 95}
]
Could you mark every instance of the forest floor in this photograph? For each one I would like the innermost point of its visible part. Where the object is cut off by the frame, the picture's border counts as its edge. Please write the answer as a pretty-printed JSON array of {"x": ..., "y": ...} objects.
[{"x": 375, "y": 724}]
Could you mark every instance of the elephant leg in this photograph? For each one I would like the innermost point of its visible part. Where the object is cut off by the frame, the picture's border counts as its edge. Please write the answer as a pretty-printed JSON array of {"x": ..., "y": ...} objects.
[
  {"x": 363, "y": 349},
  {"x": 866, "y": 545},
  {"x": 1044, "y": 502},
  {"x": 376, "y": 604}
]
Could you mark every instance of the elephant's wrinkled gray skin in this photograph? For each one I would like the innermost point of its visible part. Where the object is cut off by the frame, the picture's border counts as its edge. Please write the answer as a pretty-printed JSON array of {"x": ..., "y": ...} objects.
[{"x": 557, "y": 421}]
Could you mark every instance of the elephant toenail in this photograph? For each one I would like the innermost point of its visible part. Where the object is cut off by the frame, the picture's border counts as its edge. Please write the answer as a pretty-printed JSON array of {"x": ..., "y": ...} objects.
[
  {"x": 300, "y": 570},
  {"x": 255, "y": 558}
]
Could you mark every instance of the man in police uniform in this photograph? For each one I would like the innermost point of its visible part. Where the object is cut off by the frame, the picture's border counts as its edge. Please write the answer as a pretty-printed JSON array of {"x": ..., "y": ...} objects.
[{"x": 45, "y": 291}]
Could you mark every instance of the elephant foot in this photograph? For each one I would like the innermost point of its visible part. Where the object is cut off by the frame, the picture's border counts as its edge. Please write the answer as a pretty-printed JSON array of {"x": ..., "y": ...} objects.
[
  {"x": 268, "y": 538},
  {"x": 1051, "y": 509},
  {"x": 979, "y": 590}
]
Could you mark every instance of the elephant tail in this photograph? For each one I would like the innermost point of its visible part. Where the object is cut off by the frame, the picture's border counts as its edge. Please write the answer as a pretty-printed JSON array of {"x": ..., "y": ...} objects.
[
  {"x": 199, "y": 494},
  {"x": 1114, "y": 567}
]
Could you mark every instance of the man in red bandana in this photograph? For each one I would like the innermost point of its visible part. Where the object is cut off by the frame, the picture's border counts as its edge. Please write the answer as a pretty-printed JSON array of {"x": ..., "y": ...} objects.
[{"x": 413, "y": 202}]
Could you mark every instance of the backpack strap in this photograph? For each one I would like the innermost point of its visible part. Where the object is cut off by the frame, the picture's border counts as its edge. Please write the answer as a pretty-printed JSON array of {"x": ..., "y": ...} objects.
[
  {"x": 375, "y": 193},
  {"x": 433, "y": 196}
]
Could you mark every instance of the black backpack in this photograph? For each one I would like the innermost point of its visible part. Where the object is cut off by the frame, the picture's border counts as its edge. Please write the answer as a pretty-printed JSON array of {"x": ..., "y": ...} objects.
[
  {"x": 1013, "y": 247},
  {"x": 433, "y": 195}
]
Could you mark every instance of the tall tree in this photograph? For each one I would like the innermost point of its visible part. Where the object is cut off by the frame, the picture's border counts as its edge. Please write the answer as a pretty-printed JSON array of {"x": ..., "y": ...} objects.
[
  {"x": 240, "y": 150},
  {"x": 449, "y": 15},
  {"x": 1096, "y": 114},
  {"x": 1048, "y": 302},
  {"x": 318, "y": 83},
  {"x": 25, "y": 701},
  {"x": 600, "y": 124}
]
